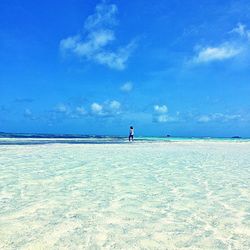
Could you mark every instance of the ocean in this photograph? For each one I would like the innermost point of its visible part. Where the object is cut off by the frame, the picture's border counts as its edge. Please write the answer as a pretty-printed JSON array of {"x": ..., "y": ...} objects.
[{"x": 107, "y": 193}]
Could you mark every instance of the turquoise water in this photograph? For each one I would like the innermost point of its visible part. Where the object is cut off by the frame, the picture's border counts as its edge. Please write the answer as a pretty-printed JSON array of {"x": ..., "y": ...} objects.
[
  {"x": 106, "y": 139},
  {"x": 173, "y": 194}
]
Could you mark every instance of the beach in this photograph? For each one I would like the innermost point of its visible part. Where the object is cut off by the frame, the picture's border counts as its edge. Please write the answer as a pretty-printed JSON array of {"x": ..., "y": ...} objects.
[{"x": 179, "y": 194}]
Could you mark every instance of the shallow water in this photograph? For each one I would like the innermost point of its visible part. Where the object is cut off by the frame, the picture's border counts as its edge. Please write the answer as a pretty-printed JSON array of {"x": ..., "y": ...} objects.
[{"x": 158, "y": 195}]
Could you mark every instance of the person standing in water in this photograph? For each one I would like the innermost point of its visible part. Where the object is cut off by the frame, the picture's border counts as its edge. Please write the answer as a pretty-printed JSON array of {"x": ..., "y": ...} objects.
[{"x": 131, "y": 133}]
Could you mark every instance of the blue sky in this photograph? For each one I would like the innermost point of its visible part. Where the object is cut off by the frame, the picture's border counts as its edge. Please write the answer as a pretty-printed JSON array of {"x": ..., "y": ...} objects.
[{"x": 97, "y": 67}]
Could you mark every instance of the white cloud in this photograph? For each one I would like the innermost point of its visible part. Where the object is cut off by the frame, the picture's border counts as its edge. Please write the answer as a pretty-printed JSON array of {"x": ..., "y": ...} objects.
[
  {"x": 62, "y": 108},
  {"x": 241, "y": 30},
  {"x": 69, "y": 43},
  {"x": 104, "y": 15},
  {"x": 220, "y": 53},
  {"x": 162, "y": 118},
  {"x": 115, "y": 105},
  {"x": 236, "y": 47},
  {"x": 106, "y": 109},
  {"x": 160, "y": 114},
  {"x": 219, "y": 117},
  {"x": 160, "y": 109},
  {"x": 204, "y": 118},
  {"x": 96, "y": 44},
  {"x": 115, "y": 60},
  {"x": 96, "y": 108},
  {"x": 127, "y": 87},
  {"x": 91, "y": 47}
]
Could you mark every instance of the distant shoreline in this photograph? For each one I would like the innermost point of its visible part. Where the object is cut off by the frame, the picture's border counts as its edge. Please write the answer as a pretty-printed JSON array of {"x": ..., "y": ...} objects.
[{"x": 75, "y": 136}]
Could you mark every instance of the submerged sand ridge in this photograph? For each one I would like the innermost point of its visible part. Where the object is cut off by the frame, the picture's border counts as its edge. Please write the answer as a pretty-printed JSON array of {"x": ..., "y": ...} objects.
[{"x": 174, "y": 195}]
